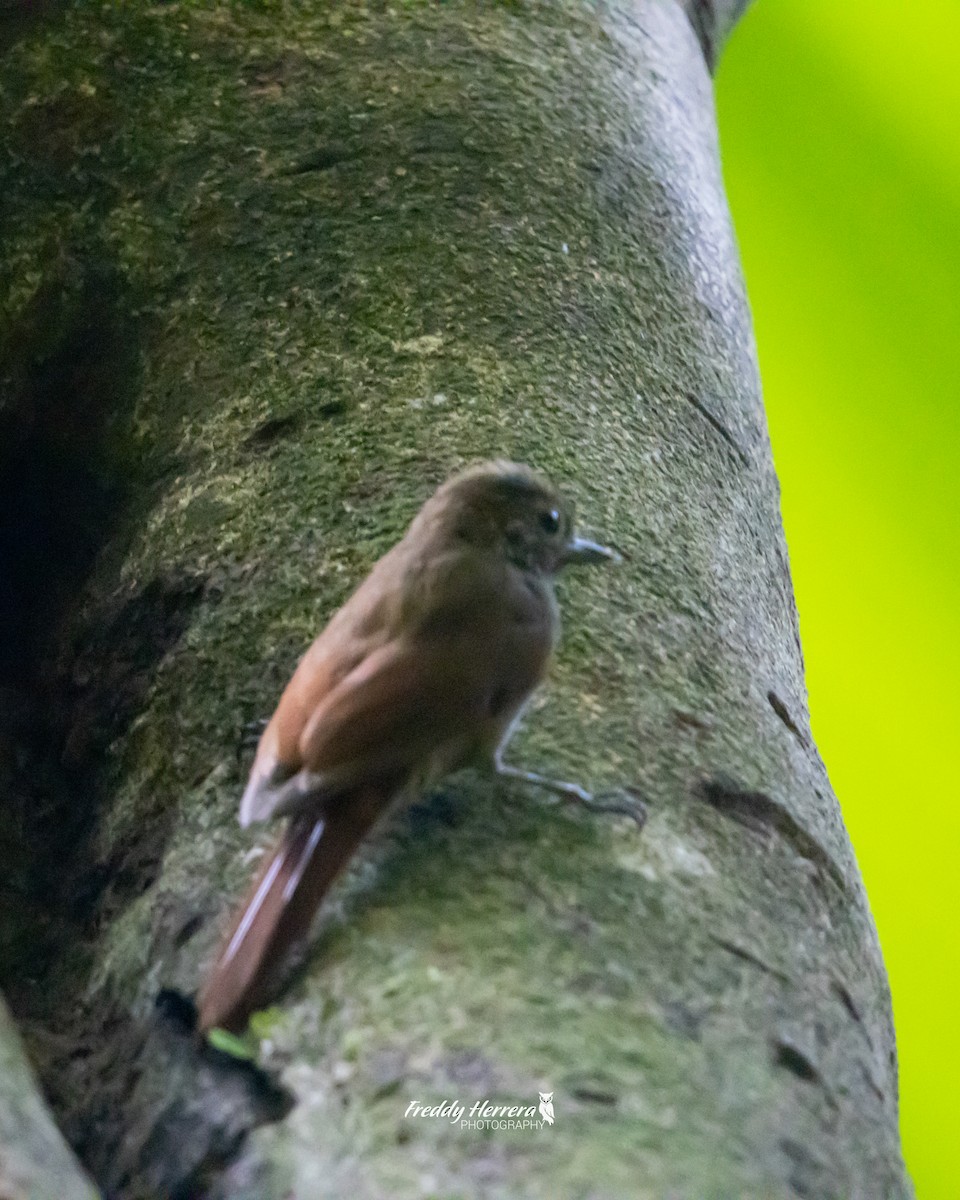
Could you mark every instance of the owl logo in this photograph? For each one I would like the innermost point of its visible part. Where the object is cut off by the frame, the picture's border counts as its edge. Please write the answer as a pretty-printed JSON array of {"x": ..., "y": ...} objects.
[{"x": 546, "y": 1107}]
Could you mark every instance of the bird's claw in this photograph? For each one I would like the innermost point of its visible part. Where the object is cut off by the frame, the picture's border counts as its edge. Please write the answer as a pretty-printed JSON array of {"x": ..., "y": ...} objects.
[
  {"x": 250, "y": 734},
  {"x": 616, "y": 802}
]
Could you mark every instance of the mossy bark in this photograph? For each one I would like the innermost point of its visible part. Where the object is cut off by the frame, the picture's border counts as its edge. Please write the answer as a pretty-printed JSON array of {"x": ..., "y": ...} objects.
[{"x": 352, "y": 247}]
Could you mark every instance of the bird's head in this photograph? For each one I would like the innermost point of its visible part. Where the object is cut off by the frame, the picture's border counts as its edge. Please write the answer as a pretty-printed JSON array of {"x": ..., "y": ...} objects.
[{"x": 510, "y": 507}]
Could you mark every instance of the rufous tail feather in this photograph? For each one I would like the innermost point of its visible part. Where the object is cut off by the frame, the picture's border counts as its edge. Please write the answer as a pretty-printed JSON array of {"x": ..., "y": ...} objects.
[{"x": 281, "y": 905}]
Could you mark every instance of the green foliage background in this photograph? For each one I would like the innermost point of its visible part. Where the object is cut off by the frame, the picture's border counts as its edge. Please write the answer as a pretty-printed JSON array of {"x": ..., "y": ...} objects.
[{"x": 840, "y": 129}]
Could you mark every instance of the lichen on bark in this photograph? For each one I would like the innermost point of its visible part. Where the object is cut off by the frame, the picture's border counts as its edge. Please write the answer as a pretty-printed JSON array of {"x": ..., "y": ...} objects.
[{"x": 362, "y": 244}]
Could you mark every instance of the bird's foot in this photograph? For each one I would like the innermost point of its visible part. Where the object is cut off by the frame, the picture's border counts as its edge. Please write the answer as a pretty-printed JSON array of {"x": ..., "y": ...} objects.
[
  {"x": 250, "y": 735},
  {"x": 626, "y": 802}
]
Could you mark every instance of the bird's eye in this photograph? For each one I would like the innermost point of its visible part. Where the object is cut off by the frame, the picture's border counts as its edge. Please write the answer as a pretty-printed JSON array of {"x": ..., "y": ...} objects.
[{"x": 550, "y": 521}]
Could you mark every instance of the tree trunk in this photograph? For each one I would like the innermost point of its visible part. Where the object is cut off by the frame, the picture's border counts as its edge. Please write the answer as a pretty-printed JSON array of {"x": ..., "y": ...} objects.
[{"x": 273, "y": 271}]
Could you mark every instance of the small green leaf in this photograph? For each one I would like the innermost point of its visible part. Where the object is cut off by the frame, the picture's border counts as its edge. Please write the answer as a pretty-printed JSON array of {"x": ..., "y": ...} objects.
[{"x": 228, "y": 1043}]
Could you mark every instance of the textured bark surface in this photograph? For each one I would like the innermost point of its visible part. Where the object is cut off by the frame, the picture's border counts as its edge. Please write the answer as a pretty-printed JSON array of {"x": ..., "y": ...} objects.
[
  {"x": 34, "y": 1159},
  {"x": 332, "y": 252}
]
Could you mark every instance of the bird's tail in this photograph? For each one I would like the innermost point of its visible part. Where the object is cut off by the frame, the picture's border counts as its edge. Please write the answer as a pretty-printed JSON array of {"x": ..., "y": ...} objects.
[{"x": 281, "y": 905}]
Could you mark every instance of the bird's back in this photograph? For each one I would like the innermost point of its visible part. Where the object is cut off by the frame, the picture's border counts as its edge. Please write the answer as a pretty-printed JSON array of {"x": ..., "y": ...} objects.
[{"x": 473, "y": 634}]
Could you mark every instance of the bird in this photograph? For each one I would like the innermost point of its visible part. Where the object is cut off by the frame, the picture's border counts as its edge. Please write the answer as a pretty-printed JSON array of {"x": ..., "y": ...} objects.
[{"x": 426, "y": 668}]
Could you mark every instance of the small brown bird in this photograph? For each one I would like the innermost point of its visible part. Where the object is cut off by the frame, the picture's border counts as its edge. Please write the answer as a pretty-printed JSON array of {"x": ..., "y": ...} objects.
[{"x": 425, "y": 669}]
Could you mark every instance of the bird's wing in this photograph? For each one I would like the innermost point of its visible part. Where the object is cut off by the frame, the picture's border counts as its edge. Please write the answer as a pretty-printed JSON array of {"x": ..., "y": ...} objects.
[
  {"x": 412, "y": 708},
  {"x": 405, "y": 701},
  {"x": 406, "y": 711},
  {"x": 430, "y": 697}
]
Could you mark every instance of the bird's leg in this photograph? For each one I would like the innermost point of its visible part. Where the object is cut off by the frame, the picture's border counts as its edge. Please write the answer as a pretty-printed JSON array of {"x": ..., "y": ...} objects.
[
  {"x": 573, "y": 793},
  {"x": 566, "y": 791}
]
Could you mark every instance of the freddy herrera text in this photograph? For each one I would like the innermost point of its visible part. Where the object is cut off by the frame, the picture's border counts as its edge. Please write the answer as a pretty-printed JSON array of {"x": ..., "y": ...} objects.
[{"x": 480, "y": 1115}]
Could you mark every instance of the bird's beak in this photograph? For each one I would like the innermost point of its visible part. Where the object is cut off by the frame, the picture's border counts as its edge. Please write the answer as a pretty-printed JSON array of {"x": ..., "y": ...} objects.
[{"x": 581, "y": 551}]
